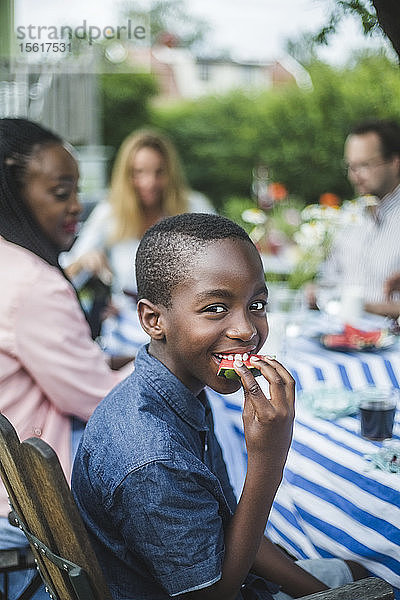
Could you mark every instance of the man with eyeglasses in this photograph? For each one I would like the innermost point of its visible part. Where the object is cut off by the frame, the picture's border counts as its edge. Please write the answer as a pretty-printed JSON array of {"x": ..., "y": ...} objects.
[
  {"x": 367, "y": 252},
  {"x": 372, "y": 158}
]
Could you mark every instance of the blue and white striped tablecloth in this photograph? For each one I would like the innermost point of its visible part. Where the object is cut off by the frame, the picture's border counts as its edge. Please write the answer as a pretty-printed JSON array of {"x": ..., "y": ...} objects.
[{"x": 332, "y": 501}]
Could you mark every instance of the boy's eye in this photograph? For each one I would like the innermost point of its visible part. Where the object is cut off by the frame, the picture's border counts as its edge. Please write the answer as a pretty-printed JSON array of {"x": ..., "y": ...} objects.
[
  {"x": 259, "y": 305},
  {"x": 215, "y": 308}
]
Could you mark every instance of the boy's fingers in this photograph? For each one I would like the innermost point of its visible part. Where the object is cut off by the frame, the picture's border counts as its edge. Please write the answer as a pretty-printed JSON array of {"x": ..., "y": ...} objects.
[
  {"x": 265, "y": 363},
  {"x": 250, "y": 385},
  {"x": 279, "y": 382},
  {"x": 279, "y": 379}
]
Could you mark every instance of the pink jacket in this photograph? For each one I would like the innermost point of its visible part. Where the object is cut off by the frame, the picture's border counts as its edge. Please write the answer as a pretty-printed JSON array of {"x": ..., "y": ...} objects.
[{"x": 50, "y": 368}]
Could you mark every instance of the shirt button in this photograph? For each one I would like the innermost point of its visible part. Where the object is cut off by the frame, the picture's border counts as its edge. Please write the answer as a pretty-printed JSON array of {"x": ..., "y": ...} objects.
[{"x": 37, "y": 431}]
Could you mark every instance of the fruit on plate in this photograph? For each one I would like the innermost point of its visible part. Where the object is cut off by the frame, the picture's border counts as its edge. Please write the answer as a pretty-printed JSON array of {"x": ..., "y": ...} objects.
[
  {"x": 355, "y": 339},
  {"x": 366, "y": 338},
  {"x": 226, "y": 367}
]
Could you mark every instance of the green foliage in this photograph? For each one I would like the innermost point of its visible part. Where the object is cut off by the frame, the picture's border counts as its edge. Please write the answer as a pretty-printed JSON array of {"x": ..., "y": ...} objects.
[
  {"x": 233, "y": 209},
  {"x": 217, "y": 137},
  {"x": 125, "y": 104},
  {"x": 299, "y": 134},
  {"x": 362, "y": 9}
]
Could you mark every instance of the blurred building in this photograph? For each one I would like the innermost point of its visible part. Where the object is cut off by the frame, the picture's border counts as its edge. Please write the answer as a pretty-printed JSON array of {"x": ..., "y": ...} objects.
[
  {"x": 44, "y": 95},
  {"x": 182, "y": 75},
  {"x": 65, "y": 102}
]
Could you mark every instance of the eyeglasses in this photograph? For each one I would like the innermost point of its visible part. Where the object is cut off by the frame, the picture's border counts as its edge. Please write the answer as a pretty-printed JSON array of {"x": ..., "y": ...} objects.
[{"x": 363, "y": 167}]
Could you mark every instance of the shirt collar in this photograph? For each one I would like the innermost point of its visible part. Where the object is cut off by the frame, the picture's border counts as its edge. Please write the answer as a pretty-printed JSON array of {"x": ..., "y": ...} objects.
[
  {"x": 193, "y": 409},
  {"x": 388, "y": 202}
]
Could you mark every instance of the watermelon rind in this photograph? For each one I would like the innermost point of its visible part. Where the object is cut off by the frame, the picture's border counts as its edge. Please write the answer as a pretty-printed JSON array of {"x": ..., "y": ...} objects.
[{"x": 230, "y": 373}]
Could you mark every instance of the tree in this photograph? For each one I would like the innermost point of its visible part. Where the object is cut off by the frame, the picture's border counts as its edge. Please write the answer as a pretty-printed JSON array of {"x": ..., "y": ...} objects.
[
  {"x": 388, "y": 15},
  {"x": 171, "y": 16},
  {"x": 374, "y": 15},
  {"x": 126, "y": 97},
  {"x": 125, "y": 104},
  {"x": 298, "y": 134}
]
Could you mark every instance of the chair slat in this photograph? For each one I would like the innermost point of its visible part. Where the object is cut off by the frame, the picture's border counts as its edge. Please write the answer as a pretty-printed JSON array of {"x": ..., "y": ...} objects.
[
  {"x": 42, "y": 499},
  {"x": 370, "y": 588}
]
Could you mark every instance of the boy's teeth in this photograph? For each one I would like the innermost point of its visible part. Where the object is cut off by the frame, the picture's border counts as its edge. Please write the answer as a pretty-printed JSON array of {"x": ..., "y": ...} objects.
[{"x": 244, "y": 356}]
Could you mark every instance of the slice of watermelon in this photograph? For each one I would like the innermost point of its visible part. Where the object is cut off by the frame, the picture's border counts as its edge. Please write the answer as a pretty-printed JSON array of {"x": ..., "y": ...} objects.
[
  {"x": 226, "y": 368},
  {"x": 336, "y": 341},
  {"x": 354, "y": 339},
  {"x": 363, "y": 338}
]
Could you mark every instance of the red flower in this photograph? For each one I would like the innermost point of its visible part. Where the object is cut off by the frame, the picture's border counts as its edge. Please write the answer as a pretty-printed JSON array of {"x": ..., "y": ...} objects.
[
  {"x": 329, "y": 199},
  {"x": 277, "y": 191}
]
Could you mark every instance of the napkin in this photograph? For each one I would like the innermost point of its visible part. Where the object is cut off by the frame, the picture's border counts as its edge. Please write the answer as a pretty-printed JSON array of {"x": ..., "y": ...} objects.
[
  {"x": 386, "y": 458},
  {"x": 329, "y": 403}
]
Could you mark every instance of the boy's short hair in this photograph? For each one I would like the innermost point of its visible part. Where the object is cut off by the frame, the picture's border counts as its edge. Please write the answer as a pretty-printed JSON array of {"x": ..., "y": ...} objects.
[{"x": 167, "y": 249}]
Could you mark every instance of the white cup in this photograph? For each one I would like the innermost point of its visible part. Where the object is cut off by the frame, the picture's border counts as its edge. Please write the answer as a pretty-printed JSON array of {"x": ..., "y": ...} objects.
[
  {"x": 351, "y": 303},
  {"x": 276, "y": 337}
]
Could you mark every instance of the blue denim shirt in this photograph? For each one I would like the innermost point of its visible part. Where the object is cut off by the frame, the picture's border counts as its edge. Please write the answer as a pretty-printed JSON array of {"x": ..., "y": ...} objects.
[{"x": 153, "y": 490}]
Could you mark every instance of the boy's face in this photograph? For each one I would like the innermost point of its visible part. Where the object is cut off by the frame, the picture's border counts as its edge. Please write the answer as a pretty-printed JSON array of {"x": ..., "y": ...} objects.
[{"x": 220, "y": 310}]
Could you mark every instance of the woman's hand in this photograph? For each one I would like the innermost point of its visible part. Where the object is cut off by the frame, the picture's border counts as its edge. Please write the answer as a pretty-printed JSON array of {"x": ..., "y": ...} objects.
[
  {"x": 95, "y": 262},
  {"x": 391, "y": 285},
  {"x": 268, "y": 422}
]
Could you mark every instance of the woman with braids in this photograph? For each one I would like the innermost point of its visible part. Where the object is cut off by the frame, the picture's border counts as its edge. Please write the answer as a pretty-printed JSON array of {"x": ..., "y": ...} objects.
[{"x": 52, "y": 375}]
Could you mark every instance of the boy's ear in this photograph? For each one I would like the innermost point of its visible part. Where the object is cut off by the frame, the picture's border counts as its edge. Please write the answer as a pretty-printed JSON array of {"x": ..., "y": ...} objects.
[{"x": 150, "y": 318}]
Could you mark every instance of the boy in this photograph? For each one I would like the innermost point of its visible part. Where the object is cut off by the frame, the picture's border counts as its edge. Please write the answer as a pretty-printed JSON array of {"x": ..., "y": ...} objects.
[{"x": 149, "y": 477}]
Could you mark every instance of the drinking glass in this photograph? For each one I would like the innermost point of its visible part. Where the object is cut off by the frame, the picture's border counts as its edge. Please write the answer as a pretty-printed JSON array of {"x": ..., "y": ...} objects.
[
  {"x": 259, "y": 187},
  {"x": 377, "y": 410},
  {"x": 286, "y": 310},
  {"x": 328, "y": 296}
]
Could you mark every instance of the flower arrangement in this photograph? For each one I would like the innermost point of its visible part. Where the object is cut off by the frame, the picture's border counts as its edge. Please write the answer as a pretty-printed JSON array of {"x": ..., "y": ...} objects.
[
  {"x": 313, "y": 239},
  {"x": 305, "y": 234},
  {"x": 273, "y": 220}
]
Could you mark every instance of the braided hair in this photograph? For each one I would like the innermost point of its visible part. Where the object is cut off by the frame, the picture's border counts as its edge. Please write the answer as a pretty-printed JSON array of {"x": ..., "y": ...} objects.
[{"x": 19, "y": 139}]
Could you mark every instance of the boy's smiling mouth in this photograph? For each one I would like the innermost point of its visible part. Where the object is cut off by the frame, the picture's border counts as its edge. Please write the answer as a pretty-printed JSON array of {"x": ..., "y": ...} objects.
[{"x": 231, "y": 355}]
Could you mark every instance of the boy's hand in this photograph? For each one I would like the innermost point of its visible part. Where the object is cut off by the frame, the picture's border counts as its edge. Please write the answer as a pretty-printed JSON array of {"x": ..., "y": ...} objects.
[{"x": 268, "y": 422}]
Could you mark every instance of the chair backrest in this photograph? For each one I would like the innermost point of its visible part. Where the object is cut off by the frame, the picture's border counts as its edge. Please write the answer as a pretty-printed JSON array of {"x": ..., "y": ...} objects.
[
  {"x": 371, "y": 588},
  {"x": 46, "y": 511}
]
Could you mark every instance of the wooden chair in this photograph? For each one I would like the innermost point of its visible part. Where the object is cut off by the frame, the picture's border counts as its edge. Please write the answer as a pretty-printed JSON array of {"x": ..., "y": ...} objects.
[
  {"x": 17, "y": 559},
  {"x": 371, "y": 588},
  {"x": 44, "y": 508}
]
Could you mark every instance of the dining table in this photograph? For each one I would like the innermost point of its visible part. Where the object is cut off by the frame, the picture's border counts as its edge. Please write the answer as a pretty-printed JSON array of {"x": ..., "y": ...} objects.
[{"x": 337, "y": 498}]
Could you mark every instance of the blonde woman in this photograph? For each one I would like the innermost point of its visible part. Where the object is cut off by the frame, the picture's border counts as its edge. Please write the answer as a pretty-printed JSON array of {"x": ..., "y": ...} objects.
[{"x": 147, "y": 184}]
